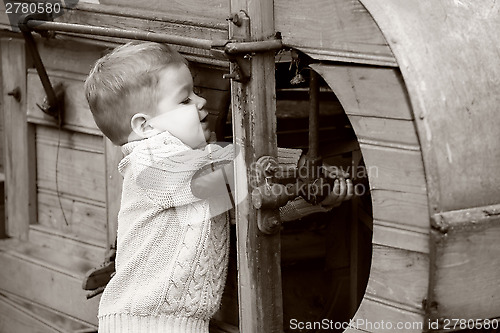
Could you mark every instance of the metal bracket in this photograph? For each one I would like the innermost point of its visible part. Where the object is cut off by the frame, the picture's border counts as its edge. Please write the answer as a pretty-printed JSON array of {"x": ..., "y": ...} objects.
[
  {"x": 239, "y": 28},
  {"x": 53, "y": 103}
]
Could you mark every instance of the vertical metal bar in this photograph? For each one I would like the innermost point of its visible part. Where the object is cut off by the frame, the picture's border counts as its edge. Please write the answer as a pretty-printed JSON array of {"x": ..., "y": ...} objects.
[{"x": 313, "y": 114}]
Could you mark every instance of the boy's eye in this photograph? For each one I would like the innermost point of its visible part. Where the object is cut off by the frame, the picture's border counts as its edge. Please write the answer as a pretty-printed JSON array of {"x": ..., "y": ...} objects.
[{"x": 186, "y": 101}]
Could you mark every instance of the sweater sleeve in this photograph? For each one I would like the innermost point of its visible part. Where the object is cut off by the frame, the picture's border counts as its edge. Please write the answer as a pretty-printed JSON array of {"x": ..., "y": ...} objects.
[
  {"x": 166, "y": 175},
  {"x": 299, "y": 208}
]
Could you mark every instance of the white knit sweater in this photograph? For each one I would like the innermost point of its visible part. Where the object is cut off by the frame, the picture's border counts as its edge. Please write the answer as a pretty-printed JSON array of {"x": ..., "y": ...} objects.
[
  {"x": 171, "y": 259},
  {"x": 172, "y": 252}
]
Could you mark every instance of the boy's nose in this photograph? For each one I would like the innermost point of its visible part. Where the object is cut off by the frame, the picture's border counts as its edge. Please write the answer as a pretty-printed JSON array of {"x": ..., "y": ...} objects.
[{"x": 200, "y": 102}]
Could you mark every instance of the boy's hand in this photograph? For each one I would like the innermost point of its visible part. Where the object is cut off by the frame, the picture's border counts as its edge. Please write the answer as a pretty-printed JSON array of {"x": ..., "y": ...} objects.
[{"x": 343, "y": 188}]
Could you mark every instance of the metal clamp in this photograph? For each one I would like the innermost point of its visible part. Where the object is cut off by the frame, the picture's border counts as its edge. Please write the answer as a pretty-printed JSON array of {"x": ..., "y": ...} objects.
[{"x": 239, "y": 49}]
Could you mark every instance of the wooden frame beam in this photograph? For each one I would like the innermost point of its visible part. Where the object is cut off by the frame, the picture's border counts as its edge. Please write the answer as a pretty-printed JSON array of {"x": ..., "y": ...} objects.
[{"x": 254, "y": 128}]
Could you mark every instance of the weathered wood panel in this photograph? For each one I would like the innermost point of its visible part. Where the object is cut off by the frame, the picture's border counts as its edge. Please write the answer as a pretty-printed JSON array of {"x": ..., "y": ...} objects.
[
  {"x": 85, "y": 248},
  {"x": 376, "y": 102},
  {"x": 210, "y": 25},
  {"x": 86, "y": 219},
  {"x": 384, "y": 131},
  {"x": 14, "y": 318},
  {"x": 68, "y": 57},
  {"x": 395, "y": 206},
  {"x": 49, "y": 135},
  {"x": 25, "y": 316},
  {"x": 368, "y": 91},
  {"x": 466, "y": 264},
  {"x": 450, "y": 71},
  {"x": 47, "y": 277},
  {"x": 397, "y": 235},
  {"x": 376, "y": 315},
  {"x": 183, "y": 23},
  {"x": 399, "y": 276},
  {"x": 19, "y": 139},
  {"x": 394, "y": 169},
  {"x": 254, "y": 129},
  {"x": 80, "y": 172},
  {"x": 77, "y": 115},
  {"x": 332, "y": 30},
  {"x": 215, "y": 10}
]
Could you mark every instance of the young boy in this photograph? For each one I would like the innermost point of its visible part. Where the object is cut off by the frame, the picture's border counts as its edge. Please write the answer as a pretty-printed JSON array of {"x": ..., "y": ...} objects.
[{"x": 172, "y": 247}]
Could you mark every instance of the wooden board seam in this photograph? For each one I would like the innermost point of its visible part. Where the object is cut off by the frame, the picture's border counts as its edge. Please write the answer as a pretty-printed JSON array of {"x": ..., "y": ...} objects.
[
  {"x": 391, "y": 145},
  {"x": 393, "y": 304}
]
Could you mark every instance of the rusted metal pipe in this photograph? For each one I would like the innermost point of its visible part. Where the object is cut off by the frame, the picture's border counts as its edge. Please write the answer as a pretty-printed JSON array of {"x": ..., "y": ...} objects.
[
  {"x": 229, "y": 46},
  {"x": 313, "y": 114},
  {"x": 313, "y": 158},
  {"x": 40, "y": 68},
  {"x": 38, "y": 25},
  {"x": 249, "y": 47}
]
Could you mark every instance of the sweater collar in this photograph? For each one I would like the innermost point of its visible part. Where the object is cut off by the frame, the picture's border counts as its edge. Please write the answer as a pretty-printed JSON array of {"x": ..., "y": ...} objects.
[{"x": 128, "y": 147}]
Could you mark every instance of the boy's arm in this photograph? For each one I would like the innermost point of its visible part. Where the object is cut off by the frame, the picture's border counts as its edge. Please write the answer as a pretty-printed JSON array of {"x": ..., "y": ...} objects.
[
  {"x": 166, "y": 174},
  {"x": 213, "y": 181},
  {"x": 219, "y": 179}
]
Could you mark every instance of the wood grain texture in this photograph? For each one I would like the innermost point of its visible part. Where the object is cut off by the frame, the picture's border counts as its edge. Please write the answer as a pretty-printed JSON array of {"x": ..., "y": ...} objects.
[
  {"x": 15, "y": 318},
  {"x": 77, "y": 115},
  {"x": 368, "y": 91},
  {"x": 401, "y": 236},
  {"x": 254, "y": 129},
  {"x": 216, "y": 10},
  {"x": 399, "y": 276},
  {"x": 19, "y": 148},
  {"x": 35, "y": 318},
  {"x": 395, "y": 206},
  {"x": 373, "y": 311},
  {"x": 385, "y": 131},
  {"x": 47, "y": 277},
  {"x": 394, "y": 169},
  {"x": 80, "y": 173},
  {"x": 173, "y": 23},
  {"x": 376, "y": 101},
  {"x": 86, "y": 219},
  {"x": 85, "y": 248},
  {"x": 466, "y": 264},
  {"x": 450, "y": 71},
  {"x": 69, "y": 57},
  {"x": 326, "y": 30}
]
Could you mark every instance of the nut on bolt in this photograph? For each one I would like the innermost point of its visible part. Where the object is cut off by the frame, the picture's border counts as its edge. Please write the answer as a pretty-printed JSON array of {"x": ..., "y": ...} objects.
[{"x": 235, "y": 18}]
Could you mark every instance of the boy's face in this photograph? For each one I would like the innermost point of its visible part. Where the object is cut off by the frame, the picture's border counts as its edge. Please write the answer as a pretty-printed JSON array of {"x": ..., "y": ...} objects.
[{"x": 180, "y": 111}]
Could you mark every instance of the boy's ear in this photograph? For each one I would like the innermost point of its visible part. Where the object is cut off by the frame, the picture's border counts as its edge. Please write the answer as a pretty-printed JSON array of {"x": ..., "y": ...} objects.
[{"x": 140, "y": 127}]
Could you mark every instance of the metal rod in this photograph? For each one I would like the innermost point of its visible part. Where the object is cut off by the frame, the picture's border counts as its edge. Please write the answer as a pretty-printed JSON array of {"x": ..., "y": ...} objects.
[
  {"x": 38, "y": 25},
  {"x": 313, "y": 115},
  {"x": 229, "y": 46},
  {"x": 258, "y": 46},
  {"x": 40, "y": 68}
]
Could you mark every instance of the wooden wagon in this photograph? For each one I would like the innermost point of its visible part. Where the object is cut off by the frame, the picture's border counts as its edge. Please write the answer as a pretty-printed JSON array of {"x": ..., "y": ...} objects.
[{"x": 407, "y": 89}]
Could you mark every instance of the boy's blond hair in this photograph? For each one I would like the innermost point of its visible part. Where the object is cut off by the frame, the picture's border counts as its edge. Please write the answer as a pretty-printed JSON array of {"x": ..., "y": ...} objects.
[{"x": 124, "y": 82}]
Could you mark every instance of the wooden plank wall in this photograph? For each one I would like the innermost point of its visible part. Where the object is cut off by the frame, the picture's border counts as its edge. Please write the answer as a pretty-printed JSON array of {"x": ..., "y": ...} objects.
[
  {"x": 75, "y": 185},
  {"x": 466, "y": 259},
  {"x": 376, "y": 102},
  {"x": 332, "y": 30}
]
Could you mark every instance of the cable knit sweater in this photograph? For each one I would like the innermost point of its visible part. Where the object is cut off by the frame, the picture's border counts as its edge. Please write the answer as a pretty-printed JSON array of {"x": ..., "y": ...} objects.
[
  {"x": 171, "y": 259},
  {"x": 172, "y": 251}
]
